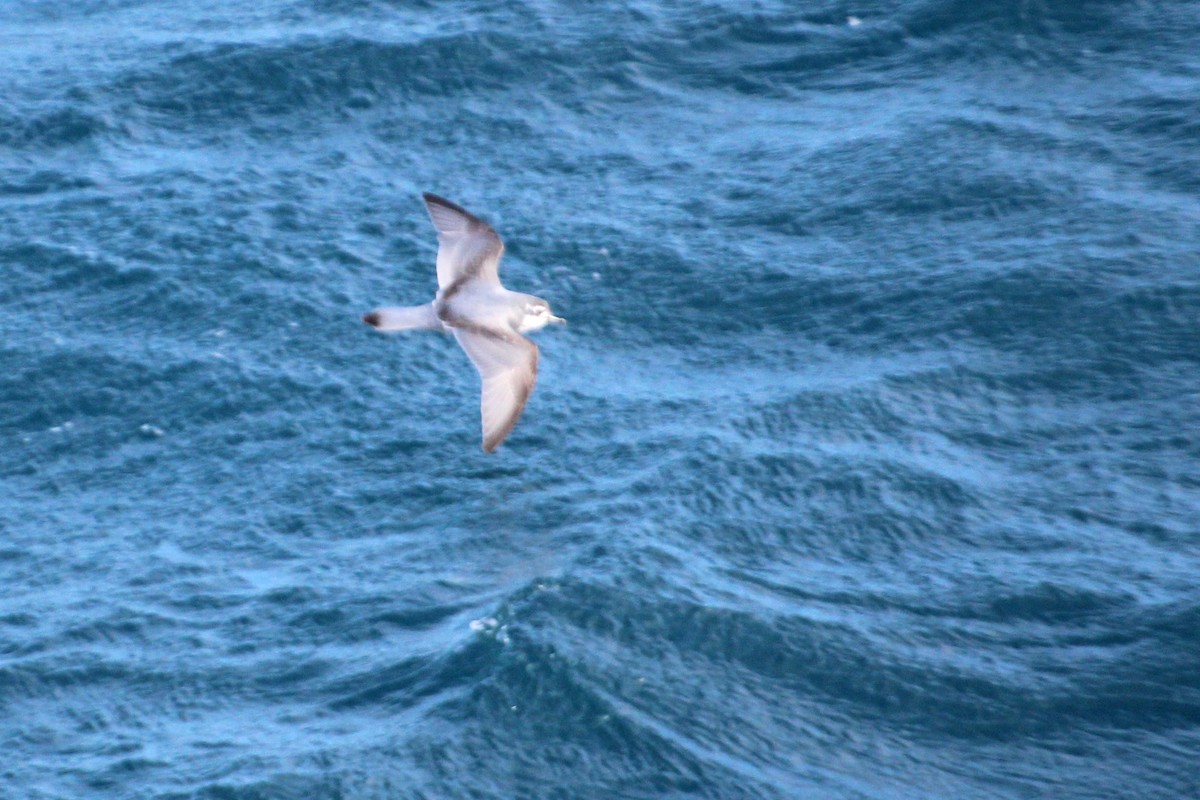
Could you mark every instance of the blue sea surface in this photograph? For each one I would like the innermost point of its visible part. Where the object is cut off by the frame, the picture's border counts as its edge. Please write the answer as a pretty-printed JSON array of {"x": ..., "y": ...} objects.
[{"x": 868, "y": 466}]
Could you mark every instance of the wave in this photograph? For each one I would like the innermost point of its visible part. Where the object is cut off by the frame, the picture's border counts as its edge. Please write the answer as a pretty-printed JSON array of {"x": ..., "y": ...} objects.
[
  {"x": 244, "y": 81},
  {"x": 47, "y": 130}
]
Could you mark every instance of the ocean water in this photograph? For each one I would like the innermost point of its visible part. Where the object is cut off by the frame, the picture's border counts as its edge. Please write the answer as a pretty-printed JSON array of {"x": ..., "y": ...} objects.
[{"x": 867, "y": 467}]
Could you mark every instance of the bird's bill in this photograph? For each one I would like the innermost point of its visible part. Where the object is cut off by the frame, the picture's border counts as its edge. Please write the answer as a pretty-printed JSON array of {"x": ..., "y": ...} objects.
[{"x": 559, "y": 320}]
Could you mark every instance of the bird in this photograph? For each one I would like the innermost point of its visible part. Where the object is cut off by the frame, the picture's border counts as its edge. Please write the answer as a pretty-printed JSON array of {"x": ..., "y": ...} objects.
[{"x": 487, "y": 319}]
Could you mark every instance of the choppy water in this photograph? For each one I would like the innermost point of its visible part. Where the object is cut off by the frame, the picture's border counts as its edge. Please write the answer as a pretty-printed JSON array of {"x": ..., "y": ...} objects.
[{"x": 868, "y": 467}]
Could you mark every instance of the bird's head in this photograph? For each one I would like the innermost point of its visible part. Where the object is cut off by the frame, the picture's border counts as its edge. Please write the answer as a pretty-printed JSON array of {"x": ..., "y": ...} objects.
[{"x": 538, "y": 315}]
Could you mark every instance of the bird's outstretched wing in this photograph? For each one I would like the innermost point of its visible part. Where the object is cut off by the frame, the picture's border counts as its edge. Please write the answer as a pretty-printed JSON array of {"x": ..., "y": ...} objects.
[
  {"x": 508, "y": 365},
  {"x": 468, "y": 248}
]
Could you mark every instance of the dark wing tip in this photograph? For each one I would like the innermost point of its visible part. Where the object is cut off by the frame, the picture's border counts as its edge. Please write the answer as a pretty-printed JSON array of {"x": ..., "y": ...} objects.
[
  {"x": 371, "y": 319},
  {"x": 451, "y": 218},
  {"x": 437, "y": 200}
]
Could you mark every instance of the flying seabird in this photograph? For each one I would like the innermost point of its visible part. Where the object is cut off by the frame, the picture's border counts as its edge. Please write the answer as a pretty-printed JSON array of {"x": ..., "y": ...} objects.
[{"x": 485, "y": 318}]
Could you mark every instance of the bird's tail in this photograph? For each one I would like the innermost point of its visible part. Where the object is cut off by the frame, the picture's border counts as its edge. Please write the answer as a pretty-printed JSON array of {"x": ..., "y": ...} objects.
[{"x": 404, "y": 319}]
